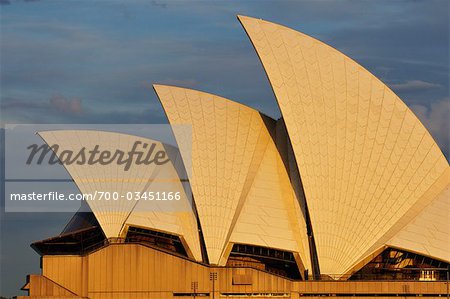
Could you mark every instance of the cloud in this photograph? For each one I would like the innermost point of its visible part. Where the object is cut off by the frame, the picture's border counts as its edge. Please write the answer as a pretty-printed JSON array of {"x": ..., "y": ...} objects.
[
  {"x": 159, "y": 4},
  {"x": 66, "y": 105},
  {"x": 36, "y": 110},
  {"x": 435, "y": 118},
  {"x": 13, "y": 104},
  {"x": 61, "y": 109},
  {"x": 414, "y": 85},
  {"x": 8, "y": 2}
]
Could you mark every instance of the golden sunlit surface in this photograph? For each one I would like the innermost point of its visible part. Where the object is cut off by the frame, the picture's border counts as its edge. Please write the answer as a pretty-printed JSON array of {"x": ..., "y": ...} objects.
[{"x": 348, "y": 185}]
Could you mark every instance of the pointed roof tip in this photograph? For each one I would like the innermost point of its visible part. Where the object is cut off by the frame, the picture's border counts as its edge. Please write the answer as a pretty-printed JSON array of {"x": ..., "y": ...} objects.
[
  {"x": 242, "y": 18},
  {"x": 159, "y": 87},
  {"x": 155, "y": 87}
]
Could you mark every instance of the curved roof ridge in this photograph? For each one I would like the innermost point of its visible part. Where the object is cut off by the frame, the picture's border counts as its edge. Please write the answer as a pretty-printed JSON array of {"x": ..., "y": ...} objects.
[
  {"x": 115, "y": 216},
  {"x": 231, "y": 145},
  {"x": 156, "y": 85},
  {"x": 357, "y": 145}
]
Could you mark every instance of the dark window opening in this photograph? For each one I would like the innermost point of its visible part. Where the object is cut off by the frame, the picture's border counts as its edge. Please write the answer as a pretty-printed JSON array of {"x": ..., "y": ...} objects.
[
  {"x": 396, "y": 264},
  {"x": 271, "y": 260},
  {"x": 158, "y": 239},
  {"x": 76, "y": 242},
  {"x": 83, "y": 218}
]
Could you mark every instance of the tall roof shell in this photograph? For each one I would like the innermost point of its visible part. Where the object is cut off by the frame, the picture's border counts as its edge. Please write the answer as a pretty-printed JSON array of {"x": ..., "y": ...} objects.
[
  {"x": 114, "y": 216},
  {"x": 240, "y": 184},
  {"x": 363, "y": 156}
]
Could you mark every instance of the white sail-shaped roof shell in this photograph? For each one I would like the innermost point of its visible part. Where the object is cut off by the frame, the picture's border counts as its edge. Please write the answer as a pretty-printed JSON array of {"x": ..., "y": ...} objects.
[
  {"x": 364, "y": 158},
  {"x": 114, "y": 216},
  {"x": 240, "y": 185}
]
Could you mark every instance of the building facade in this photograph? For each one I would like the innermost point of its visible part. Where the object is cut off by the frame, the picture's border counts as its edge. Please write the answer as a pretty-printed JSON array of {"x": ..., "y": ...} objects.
[{"x": 346, "y": 195}]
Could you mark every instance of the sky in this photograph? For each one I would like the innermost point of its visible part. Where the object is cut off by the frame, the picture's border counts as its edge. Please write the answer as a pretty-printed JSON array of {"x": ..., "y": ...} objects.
[{"x": 95, "y": 61}]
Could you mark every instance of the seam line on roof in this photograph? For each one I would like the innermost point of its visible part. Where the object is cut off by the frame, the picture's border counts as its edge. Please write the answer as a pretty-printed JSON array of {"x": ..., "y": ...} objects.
[{"x": 315, "y": 124}]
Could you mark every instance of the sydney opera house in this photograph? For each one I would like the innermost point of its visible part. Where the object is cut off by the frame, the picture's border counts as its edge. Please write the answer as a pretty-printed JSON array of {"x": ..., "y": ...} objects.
[{"x": 346, "y": 195}]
